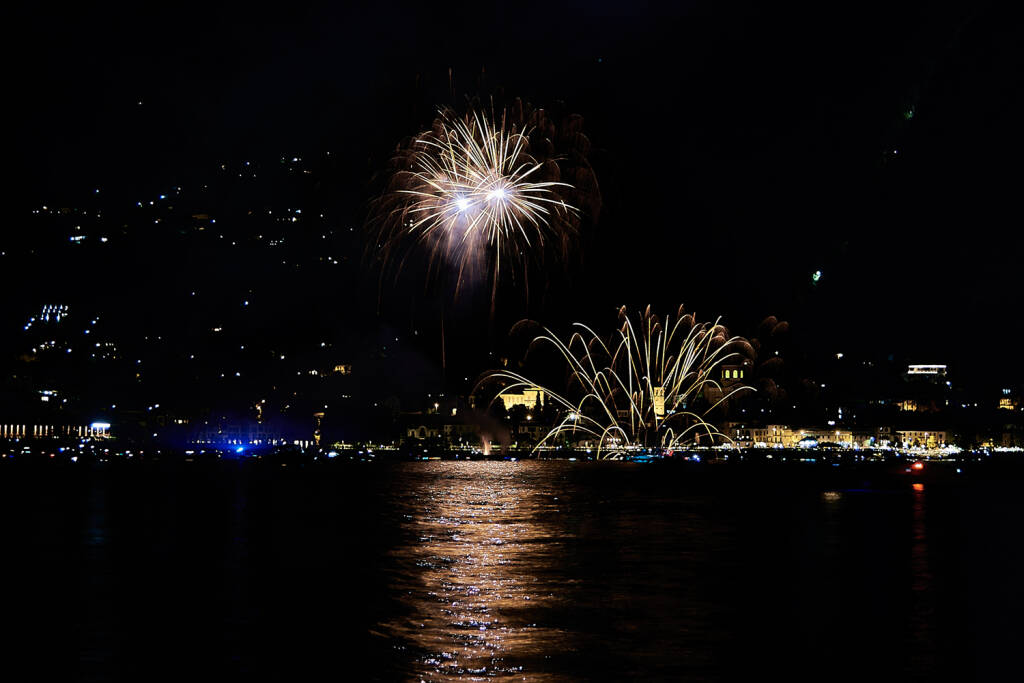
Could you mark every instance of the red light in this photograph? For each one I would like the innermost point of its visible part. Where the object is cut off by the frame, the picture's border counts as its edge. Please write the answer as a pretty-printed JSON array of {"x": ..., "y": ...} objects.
[
  {"x": 919, "y": 487},
  {"x": 917, "y": 466}
]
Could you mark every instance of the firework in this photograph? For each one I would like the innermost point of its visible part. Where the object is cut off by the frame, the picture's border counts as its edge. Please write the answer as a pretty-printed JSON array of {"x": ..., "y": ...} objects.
[
  {"x": 469, "y": 194},
  {"x": 651, "y": 385}
]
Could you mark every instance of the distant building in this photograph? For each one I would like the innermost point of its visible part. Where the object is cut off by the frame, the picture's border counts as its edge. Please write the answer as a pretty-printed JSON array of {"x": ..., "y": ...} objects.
[
  {"x": 926, "y": 389},
  {"x": 96, "y": 430},
  {"x": 778, "y": 435},
  {"x": 423, "y": 431},
  {"x": 758, "y": 436},
  {"x": 1008, "y": 401},
  {"x": 920, "y": 438},
  {"x": 532, "y": 432},
  {"x": 733, "y": 373},
  {"x": 238, "y": 433},
  {"x": 926, "y": 370},
  {"x": 1012, "y": 438},
  {"x": 930, "y": 374},
  {"x": 865, "y": 438},
  {"x": 454, "y": 432},
  {"x": 528, "y": 398},
  {"x": 750, "y": 436},
  {"x": 783, "y": 436},
  {"x": 841, "y": 437}
]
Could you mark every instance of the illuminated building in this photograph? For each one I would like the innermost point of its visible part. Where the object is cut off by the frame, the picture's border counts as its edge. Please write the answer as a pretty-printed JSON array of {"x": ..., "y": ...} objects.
[
  {"x": 96, "y": 430},
  {"x": 528, "y": 398},
  {"x": 733, "y": 373},
  {"x": 927, "y": 374},
  {"x": 422, "y": 432},
  {"x": 243, "y": 433},
  {"x": 659, "y": 401},
  {"x": 1007, "y": 401},
  {"x": 748, "y": 436},
  {"x": 783, "y": 436},
  {"x": 1012, "y": 437},
  {"x": 865, "y": 438},
  {"x": 929, "y": 371},
  {"x": 823, "y": 435},
  {"x": 777, "y": 435},
  {"x": 318, "y": 418},
  {"x": 920, "y": 438},
  {"x": 927, "y": 389},
  {"x": 452, "y": 431}
]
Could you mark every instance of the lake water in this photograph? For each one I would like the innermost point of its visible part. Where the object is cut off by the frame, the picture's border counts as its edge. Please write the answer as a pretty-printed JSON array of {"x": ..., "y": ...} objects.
[{"x": 508, "y": 571}]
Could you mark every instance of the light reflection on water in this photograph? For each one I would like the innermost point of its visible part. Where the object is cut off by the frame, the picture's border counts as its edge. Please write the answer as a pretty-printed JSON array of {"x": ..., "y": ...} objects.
[
  {"x": 471, "y": 530},
  {"x": 442, "y": 571},
  {"x": 923, "y": 608}
]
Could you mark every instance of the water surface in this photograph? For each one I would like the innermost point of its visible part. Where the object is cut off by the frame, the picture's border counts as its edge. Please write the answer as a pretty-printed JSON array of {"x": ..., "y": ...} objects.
[{"x": 508, "y": 571}]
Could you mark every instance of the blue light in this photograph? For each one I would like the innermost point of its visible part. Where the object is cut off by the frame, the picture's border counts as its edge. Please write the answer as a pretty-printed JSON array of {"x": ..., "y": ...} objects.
[{"x": 239, "y": 449}]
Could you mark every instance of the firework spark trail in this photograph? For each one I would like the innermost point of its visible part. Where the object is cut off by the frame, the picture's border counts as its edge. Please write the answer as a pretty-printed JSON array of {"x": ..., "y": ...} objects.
[
  {"x": 471, "y": 193},
  {"x": 639, "y": 393}
]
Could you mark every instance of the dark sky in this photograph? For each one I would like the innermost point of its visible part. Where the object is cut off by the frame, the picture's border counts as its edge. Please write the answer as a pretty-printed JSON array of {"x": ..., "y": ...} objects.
[{"x": 740, "y": 147}]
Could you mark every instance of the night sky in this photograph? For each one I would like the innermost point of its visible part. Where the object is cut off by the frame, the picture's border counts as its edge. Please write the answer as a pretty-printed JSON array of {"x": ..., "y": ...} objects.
[{"x": 739, "y": 148}]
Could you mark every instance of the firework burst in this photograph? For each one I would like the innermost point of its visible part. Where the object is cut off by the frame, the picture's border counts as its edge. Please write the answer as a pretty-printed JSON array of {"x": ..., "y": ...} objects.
[
  {"x": 650, "y": 385},
  {"x": 469, "y": 194}
]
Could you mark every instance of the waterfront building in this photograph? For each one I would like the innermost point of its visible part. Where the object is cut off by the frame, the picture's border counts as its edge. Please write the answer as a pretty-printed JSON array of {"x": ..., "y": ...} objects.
[
  {"x": 238, "y": 433},
  {"x": 95, "y": 430},
  {"x": 759, "y": 436},
  {"x": 920, "y": 438},
  {"x": 823, "y": 435}
]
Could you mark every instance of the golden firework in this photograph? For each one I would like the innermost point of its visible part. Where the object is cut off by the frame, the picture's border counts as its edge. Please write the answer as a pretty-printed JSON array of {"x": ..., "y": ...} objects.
[
  {"x": 651, "y": 385},
  {"x": 469, "y": 193}
]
